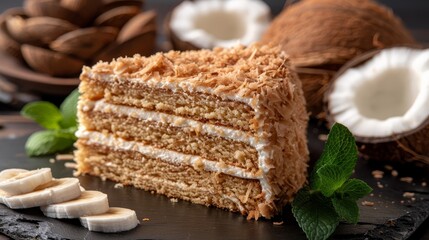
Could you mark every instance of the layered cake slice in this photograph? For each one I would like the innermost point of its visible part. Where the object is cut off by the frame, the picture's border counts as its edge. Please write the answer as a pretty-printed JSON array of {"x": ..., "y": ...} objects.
[{"x": 224, "y": 128}]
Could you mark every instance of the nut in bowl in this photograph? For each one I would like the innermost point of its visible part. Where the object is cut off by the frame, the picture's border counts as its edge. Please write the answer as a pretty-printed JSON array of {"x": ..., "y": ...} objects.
[{"x": 46, "y": 43}]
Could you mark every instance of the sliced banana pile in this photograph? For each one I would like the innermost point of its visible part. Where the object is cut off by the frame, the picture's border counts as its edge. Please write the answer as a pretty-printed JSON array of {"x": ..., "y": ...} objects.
[{"x": 63, "y": 198}]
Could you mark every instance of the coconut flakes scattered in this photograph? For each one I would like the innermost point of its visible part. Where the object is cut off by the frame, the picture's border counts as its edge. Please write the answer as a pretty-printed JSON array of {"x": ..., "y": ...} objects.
[
  {"x": 406, "y": 179},
  {"x": 377, "y": 174},
  {"x": 388, "y": 167},
  {"x": 51, "y": 160},
  {"x": 64, "y": 157},
  {"x": 394, "y": 173},
  {"x": 408, "y": 195},
  {"x": 278, "y": 223},
  {"x": 174, "y": 200},
  {"x": 367, "y": 203},
  {"x": 119, "y": 185},
  {"x": 71, "y": 165},
  {"x": 424, "y": 184}
]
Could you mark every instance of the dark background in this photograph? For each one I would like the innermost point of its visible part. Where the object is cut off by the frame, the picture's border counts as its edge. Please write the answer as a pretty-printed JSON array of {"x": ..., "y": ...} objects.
[{"x": 414, "y": 13}]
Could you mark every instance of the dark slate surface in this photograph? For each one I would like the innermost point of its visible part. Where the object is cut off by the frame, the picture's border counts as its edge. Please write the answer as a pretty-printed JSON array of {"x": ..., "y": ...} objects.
[{"x": 183, "y": 220}]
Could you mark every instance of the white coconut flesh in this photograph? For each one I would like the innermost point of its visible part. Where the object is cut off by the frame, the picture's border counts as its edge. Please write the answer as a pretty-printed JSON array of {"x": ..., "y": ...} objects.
[
  {"x": 223, "y": 23},
  {"x": 385, "y": 97}
]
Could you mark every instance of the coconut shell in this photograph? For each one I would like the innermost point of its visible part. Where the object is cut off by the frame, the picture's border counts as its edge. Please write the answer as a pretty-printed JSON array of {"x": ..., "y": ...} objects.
[
  {"x": 50, "y": 62},
  {"x": 316, "y": 33},
  {"x": 410, "y": 146},
  {"x": 315, "y": 82}
]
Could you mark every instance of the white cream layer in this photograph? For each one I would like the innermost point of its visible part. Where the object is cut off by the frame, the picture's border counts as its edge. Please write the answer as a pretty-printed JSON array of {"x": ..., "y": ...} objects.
[
  {"x": 175, "y": 158},
  {"x": 175, "y": 121},
  {"x": 163, "y": 154},
  {"x": 264, "y": 151}
]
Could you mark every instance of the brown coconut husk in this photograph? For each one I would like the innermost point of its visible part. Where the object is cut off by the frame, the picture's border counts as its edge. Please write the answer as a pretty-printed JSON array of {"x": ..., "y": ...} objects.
[
  {"x": 316, "y": 33},
  {"x": 410, "y": 146}
]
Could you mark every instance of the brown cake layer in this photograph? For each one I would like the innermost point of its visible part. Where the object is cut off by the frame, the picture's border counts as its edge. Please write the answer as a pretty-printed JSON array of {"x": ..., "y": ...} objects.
[
  {"x": 197, "y": 106},
  {"x": 179, "y": 181},
  {"x": 162, "y": 135},
  {"x": 247, "y": 91}
]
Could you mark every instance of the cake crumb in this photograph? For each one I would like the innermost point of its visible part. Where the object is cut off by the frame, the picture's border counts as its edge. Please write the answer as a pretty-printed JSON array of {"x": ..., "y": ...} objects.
[
  {"x": 64, "y": 157},
  {"x": 278, "y": 223},
  {"x": 323, "y": 137},
  {"x": 368, "y": 203},
  {"x": 71, "y": 165},
  {"x": 406, "y": 179},
  {"x": 51, "y": 160},
  {"x": 424, "y": 184},
  {"x": 379, "y": 185},
  {"x": 388, "y": 167},
  {"x": 408, "y": 195},
  {"x": 413, "y": 199},
  {"x": 119, "y": 185},
  {"x": 145, "y": 219},
  {"x": 174, "y": 200},
  {"x": 402, "y": 201},
  {"x": 377, "y": 174},
  {"x": 394, "y": 173}
]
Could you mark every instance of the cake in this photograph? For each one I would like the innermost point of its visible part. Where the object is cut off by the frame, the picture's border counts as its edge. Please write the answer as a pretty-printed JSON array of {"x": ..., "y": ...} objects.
[{"x": 223, "y": 127}]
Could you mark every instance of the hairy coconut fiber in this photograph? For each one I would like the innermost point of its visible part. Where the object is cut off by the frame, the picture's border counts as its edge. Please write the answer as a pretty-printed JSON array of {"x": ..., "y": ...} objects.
[{"x": 320, "y": 33}]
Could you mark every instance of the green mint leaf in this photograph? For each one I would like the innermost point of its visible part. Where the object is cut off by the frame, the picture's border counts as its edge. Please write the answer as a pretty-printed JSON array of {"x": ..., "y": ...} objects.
[
  {"x": 347, "y": 209},
  {"x": 340, "y": 150},
  {"x": 329, "y": 178},
  {"x": 45, "y": 114},
  {"x": 49, "y": 142},
  {"x": 315, "y": 214},
  {"x": 354, "y": 189},
  {"x": 69, "y": 110}
]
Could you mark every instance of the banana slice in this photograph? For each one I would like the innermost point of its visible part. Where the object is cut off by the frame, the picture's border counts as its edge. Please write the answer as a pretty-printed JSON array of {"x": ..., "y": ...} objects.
[
  {"x": 25, "y": 181},
  {"x": 10, "y": 173},
  {"x": 89, "y": 203},
  {"x": 55, "y": 191},
  {"x": 7, "y": 174},
  {"x": 115, "y": 220}
]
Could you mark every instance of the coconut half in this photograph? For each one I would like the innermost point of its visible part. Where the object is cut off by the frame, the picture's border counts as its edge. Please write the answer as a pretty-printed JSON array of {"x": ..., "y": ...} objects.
[
  {"x": 385, "y": 104},
  {"x": 213, "y": 23}
]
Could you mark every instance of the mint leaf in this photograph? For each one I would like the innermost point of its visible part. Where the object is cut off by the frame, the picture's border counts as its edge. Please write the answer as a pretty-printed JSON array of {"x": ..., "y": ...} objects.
[
  {"x": 314, "y": 214},
  {"x": 331, "y": 196},
  {"x": 328, "y": 179},
  {"x": 347, "y": 209},
  {"x": 48, "y": 142},
  {"x": 340, "y": 150},
  {"x": 69, "y": 110},
  {"x": 45, "y": 114},
  {"x": 354, "y": 189}
]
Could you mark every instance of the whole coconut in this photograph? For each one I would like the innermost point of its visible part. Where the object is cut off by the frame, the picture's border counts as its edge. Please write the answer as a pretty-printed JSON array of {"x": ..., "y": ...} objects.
[{"x": 322, "y": 35}]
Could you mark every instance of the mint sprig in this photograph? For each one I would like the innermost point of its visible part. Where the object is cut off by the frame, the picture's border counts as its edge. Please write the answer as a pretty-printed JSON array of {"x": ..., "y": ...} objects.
[
  {"x": 60, "y": 124},
  {"x": 331, "y": 196}
]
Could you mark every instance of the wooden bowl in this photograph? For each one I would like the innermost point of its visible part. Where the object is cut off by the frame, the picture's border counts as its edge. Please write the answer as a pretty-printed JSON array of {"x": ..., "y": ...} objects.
[{"x": 20, "y": 74}]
